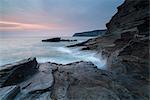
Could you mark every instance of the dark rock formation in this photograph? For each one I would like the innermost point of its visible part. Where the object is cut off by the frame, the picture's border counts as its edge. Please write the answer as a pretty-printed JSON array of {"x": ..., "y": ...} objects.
[
  {"x": 52, "y": 40},
  {"x": 74, "y": 81},
  {"x": 58, "y": 39},
  {"x": 132, "y": 15},
  {"x": 126, "y": 46},
  {"x": 35, "y": 82},
  {"x": 39, "y": 86},
  {"x": 132, "y": 20},
  {"x": 12, "y": 74},
  {"x": 82, "y": 80},
  {"x": 79, "y": 81},
  {"x": 91, "y": 33},
  {"x": 9, "y": 92}
]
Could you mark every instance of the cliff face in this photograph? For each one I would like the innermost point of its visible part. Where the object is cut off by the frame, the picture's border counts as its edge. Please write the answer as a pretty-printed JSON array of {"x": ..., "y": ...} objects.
[
  {"x": 91, "y": 33},
  {"x": 132, "y": 15},
  {"x": 130, "y": 23},
  {"x": 126, "y": 46}
]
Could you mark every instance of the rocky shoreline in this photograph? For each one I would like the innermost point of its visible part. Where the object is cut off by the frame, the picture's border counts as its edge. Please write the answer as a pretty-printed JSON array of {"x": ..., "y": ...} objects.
[
  {"x": 126, "y": 47},
  {"x": 51, "y": 81}
]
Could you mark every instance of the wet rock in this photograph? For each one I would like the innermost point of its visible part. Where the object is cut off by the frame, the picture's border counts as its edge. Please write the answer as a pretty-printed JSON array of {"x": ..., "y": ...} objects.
[
  {"x": 9, "y": 92},
  {"x": 39, "y": 85},
  {"x": 12, "y": 74}
]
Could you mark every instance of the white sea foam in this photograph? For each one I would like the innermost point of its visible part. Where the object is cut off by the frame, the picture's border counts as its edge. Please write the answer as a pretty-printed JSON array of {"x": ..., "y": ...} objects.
[
  {"x": 63, "y": 50},
  {"x": 72, "y": 55}
]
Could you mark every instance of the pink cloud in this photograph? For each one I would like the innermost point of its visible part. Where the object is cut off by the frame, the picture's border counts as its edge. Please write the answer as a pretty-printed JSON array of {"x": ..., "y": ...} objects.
[{"x": 7, "y": 25}]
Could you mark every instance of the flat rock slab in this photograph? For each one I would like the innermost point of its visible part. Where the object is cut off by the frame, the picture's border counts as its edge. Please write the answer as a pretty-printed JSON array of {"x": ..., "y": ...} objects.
[
  {"x": 12, "y": 74},
  {"x": 9, "y": 92},
  {"x": 39, "y": 82},
  {"x": 84, "y": 81},
  {"x": 39, "y": 85}
]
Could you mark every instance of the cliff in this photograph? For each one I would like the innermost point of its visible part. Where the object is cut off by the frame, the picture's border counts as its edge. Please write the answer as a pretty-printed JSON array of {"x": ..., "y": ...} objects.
[
  {"x": 131, "y": 22},
  {"x": 91, "y": 33},
  {"x": 132, "y": 15},
  {"x": 126, "y": 46}
]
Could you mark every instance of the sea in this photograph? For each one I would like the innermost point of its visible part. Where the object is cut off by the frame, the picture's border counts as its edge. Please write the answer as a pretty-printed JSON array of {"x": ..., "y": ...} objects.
[{"x": 13, "y": 49}]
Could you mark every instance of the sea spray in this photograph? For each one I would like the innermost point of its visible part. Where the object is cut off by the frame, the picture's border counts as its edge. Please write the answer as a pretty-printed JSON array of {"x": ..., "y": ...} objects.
[{"x": 72, "y": 55}]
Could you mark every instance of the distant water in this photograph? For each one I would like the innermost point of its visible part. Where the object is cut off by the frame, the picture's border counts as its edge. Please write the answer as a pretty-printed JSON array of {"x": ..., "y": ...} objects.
[{"x": 15, "y": 49}]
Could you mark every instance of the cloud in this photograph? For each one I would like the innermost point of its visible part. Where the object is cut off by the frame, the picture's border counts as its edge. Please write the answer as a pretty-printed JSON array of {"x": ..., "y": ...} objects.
[
  {"x": 6, "y": 25},
  {"x": 3, "y": 25},
  {"x": 57, "y": 16}
]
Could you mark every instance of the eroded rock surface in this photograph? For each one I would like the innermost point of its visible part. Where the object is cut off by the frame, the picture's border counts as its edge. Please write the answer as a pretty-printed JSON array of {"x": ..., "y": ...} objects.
[
  {"x": 126, "y": 47},
  {"x": 9, "y": 92},
  {"x": 39, "y": 86},
  {"x": 12, "y": 74},
  {"x": 82, "y": 81}
]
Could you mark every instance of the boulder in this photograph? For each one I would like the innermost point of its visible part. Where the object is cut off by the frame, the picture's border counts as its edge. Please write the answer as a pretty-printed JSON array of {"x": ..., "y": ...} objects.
[
  {"x": 38, "y": 86},
  {"x": 12, "y": 74},
  {"x": 9, "y": 92}
]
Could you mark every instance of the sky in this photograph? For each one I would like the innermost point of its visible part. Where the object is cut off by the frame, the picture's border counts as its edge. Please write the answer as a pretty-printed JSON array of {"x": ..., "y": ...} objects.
[{"x": 54, "y": 17}]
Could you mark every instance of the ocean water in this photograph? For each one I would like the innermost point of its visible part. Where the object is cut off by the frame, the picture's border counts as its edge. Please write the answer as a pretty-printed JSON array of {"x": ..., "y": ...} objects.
[{"x": 14, "y": 49}]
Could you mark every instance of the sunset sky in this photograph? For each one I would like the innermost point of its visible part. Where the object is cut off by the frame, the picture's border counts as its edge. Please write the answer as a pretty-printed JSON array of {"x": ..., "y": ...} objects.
[{"x": 54, "y": 17}]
